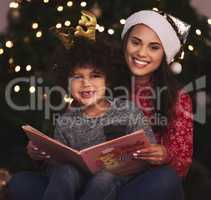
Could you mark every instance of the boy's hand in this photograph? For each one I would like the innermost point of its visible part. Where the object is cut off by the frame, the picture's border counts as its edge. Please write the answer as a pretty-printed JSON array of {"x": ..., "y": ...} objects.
[
  {"x": 36, "y": 153},
  {"x": 155, "y": 154}
]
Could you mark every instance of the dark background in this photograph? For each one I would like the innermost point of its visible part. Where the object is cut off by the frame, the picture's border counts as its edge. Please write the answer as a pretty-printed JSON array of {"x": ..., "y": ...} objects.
[{"x": 28, "y": 49}]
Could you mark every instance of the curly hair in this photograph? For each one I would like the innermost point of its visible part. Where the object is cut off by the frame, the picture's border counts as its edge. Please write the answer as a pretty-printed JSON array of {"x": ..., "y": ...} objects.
[{"x": 98, "y": 55}]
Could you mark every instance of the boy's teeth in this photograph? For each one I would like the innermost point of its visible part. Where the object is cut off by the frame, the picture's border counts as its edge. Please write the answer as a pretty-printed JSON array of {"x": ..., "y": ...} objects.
[{"x": 88, "y": 93}]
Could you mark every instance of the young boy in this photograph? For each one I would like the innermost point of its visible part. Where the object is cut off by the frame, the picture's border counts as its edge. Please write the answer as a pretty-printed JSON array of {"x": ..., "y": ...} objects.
[{"x": 87, "y": 72}]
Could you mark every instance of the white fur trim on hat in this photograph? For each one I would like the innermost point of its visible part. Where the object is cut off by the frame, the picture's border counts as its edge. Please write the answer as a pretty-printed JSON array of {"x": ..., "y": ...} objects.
[{"x": 162, "y": 28}]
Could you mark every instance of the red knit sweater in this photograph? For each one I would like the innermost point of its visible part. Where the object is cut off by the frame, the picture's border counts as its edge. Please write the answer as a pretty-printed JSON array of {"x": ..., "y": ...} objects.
[{"x": 178, "y": 137}]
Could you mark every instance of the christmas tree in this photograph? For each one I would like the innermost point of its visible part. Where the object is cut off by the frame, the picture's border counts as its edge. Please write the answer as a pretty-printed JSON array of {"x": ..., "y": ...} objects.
[{"x": 29, "y": 43}]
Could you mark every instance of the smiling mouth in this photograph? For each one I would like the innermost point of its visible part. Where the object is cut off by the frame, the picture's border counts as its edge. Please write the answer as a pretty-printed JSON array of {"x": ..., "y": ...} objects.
[
  {"x": 87, "y": 94},
  {"x": 140, "y": 63}
]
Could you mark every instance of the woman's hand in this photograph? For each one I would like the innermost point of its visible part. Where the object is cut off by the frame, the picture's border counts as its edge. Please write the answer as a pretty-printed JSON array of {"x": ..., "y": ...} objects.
[
  {"x": 36, "y": 153},
  {"x": 155, "y": 154}
]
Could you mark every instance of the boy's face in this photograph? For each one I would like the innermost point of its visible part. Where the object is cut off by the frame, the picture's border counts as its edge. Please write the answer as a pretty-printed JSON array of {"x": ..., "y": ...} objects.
[{"x": 87, "y": 86}]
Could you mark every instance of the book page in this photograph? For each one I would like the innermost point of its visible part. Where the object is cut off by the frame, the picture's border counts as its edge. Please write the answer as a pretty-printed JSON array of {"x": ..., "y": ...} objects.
[
  {"x": 54, "y": 148},
  {"x": 117, "y": 155}
]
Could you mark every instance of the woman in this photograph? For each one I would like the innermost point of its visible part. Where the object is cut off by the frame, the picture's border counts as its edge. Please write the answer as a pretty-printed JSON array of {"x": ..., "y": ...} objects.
[{"x": 151, "y": 42}]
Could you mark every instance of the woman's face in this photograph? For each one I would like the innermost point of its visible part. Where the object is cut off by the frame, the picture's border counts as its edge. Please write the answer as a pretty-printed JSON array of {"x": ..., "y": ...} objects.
[
  {"x": 87, "y": 86},
  {"x": 144, "y": 51}
]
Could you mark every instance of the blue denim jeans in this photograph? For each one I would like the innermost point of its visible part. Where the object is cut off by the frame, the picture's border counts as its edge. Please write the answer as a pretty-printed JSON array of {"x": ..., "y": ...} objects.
[
  {"x": 160, "y": 183},
  {"x": 65, "y": 182}
]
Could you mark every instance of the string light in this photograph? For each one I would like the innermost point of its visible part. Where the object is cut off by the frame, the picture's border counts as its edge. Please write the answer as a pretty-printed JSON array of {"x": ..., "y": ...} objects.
[
  {"x": 122, "y": 21},
  {"x": 58, "y": 25},
  {"x": 17, "y": 88},
  {"x": 182, "y": 55},
  {"x": 11, "y": 61},
  {"x": 9, "y": 44},
  {"x": 198, "y": 32},
  {"x": 68, "y": 99},
  {"x": 15, "y": 14},
  {"x": 39, "y": 34},
  {"x": 45, "y": 1},
  {"x": 28, "y": 68},
  {"x": 97, "y": 26},
  {"x": 101, "y": 28},
  {"x": 60, "y": 8},
  {"x": 67, "y": 23},
  {"x": 69, "y": 3},
  {"x": 190, "y": 48},
  {"x": 26, "y": 39},
  {"x": 32, "y": 89},
  {"x": 14, "y": 5},
  {"x": 35, "y": 25},
  {"x": 111, "y": 31},
  {"x": 209, "y": 21},
  {"x": 83, "y": 4},
  {"x": 17, "y": 68},
  {"x": 1, "y": 51}
]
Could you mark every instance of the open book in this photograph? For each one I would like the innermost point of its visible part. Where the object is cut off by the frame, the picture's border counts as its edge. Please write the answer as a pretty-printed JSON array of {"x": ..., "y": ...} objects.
[{"x": 114, "y": 155}]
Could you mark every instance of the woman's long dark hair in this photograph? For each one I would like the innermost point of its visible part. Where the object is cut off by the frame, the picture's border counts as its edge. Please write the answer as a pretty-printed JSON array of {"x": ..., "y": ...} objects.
[{"x": 162, "y": 77}]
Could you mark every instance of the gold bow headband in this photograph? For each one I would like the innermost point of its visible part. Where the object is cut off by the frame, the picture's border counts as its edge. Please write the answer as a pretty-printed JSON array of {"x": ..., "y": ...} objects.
[{"x": 86, "y": 28}]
